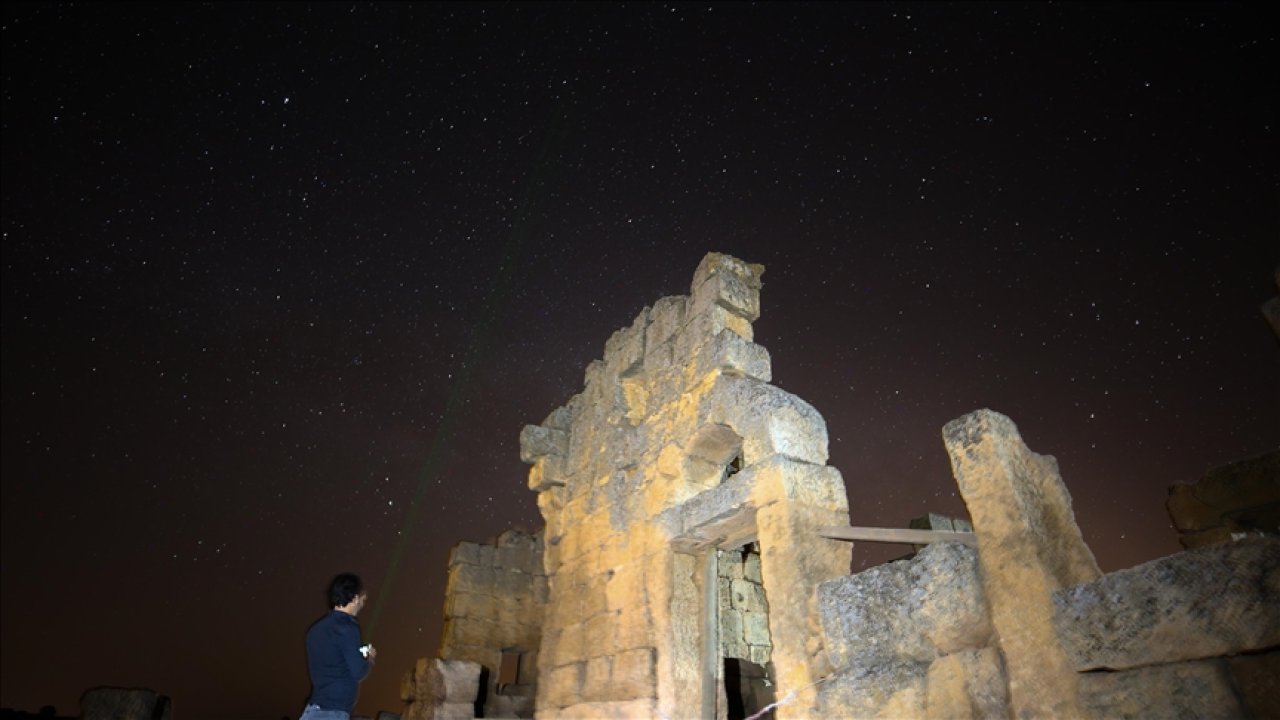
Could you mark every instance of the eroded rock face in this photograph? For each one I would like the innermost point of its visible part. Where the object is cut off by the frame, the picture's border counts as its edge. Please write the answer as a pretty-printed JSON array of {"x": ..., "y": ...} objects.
[
  {"x": 124, "y": 704},
  {"x": 1203, "y": 603}
]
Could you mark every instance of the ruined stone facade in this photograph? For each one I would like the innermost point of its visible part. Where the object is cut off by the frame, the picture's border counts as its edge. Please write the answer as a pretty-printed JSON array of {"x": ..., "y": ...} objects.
[
  {"x": 678, "y": 449},
  {"x": 685, "y": 574}
]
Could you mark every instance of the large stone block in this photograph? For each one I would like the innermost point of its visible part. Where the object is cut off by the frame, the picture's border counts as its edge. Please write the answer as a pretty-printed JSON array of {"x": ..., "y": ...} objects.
[
  {"x": 596, "y": 685},
  {"x": 727, "y": 282},
  {"x": 537, "y": 441},
  {"x": 1199, "y": 690},
  {"x": 562, "y": 686},
  {"x": 907, "y": 610},
  {"x": 1218, "y": 600},
  {"x": 770, "y": 420},
  {"x": 967, "y": 684},
  {"x": 634, "y": 674},
  {"x": 731, "y": 352},
  {"x": 624, "y": 351},
  {"x": 859, "y": 692},
  {"x": 447, "y": 681}
]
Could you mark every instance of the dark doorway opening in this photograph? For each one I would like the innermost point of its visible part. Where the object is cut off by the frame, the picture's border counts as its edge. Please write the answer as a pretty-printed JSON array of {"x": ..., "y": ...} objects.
[{"x": 747, "y": 688}]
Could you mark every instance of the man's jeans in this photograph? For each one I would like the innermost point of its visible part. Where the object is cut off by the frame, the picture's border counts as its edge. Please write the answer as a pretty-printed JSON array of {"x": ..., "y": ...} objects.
[{"x": 313, "y": 712}]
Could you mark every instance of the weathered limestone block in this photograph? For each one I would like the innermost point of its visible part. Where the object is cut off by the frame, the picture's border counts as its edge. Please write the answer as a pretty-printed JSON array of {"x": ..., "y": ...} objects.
[
  {"x": 666, "y": 317},
  {"x": 1237, "y": 498},
  {"x": 727, "y": 282},
  {"x": 624, "y": 351},
  {"x": 537, "y": 441},
  {"x": 1029, "y": 546},
  {"x": 106, "y": 703},
  {"x": 770, "y": 420},
  {"x": 474, "y": 579},
  {"x": 731, "y": 352},
  {"x": 912, "y": 609},
  {"x": 967, "y": 685},
  {"x": 633, "y": 674},
  {"x": 1199, "y": 690},
  {"x": 857, "y": 692},
  {"x": 595, "y": 684},
  {"x": 471, "y": 554},
  {"x": 780, "y": 479},
  {"x": 795, "y": 562},
  {"x": 909, "y": 702},
  {"x": 1257, "y": 678},
  {"x": 748, "y": 596},
  {"x": 755, "y": 628},
  {"x": 562, "y": 686},
  {"x": 436, "y": 682},
  {"x": 547, "y": 473},
  {"x": 1202, "y": 603},
  {"x": 732, "y": 640}
]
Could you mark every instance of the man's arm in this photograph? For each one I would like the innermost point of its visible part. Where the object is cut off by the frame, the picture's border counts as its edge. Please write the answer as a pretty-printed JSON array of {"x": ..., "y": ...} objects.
[{"x": 356, "y": 663}]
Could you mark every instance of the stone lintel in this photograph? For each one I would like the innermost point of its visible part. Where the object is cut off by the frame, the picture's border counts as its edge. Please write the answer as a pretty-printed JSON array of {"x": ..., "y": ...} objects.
[{"x": 706, "y": 517}]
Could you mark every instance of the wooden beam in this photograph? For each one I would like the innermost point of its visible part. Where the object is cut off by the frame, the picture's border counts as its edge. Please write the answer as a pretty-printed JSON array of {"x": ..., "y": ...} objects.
[{"x": 897, "y": 535}]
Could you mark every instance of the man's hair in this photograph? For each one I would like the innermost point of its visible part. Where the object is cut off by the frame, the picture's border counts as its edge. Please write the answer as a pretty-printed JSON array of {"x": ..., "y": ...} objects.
[{"x": 344, "y": 589}]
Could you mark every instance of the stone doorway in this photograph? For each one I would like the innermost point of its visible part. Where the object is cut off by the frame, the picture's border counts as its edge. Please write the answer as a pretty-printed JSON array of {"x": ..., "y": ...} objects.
[{"x": 747, "y": 684}]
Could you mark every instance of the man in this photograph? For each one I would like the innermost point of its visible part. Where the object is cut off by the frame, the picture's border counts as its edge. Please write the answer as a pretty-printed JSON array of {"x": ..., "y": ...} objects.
[{"x": 335, "y": 659}]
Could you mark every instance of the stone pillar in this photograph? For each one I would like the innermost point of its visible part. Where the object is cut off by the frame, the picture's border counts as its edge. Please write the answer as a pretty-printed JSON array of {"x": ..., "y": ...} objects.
[
  {"x": 795, "y": 500},
  {"x": 1029, "y": 547}
]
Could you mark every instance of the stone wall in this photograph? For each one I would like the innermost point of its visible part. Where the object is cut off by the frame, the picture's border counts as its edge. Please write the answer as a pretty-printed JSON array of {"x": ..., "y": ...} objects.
[
  {"x": 744, "y": 610},
  {"x": 495, "y": 602},
  {"x": 913, "y": 638},
  {"x": 676, "y": 448}
]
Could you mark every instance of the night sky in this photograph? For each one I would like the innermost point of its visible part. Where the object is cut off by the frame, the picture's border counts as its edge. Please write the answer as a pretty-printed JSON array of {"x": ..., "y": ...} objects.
[{"x": 282, "y": 284}]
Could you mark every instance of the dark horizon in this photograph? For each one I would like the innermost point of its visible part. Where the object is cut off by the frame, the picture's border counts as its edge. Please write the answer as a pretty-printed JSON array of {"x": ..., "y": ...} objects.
[{"x": 282, "y": 284}]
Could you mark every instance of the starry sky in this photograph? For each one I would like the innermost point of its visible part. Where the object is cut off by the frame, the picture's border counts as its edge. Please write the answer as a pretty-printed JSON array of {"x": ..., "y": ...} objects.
[{"x": 283, "y": 282}]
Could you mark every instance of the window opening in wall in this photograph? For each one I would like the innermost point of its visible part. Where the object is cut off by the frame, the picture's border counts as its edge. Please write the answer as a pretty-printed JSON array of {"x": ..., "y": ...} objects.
[
  {"x": 734, "y": 467},
  {"x": 508, "y": 670}
]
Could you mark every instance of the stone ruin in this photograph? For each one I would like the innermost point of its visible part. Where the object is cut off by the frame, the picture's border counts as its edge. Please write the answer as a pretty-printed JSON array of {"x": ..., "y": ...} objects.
[{"x": 683, "y": 570}]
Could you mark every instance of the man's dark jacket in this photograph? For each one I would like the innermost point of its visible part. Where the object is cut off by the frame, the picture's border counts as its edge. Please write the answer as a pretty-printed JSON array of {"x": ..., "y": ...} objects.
[{"x": 335, "y": 662}]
